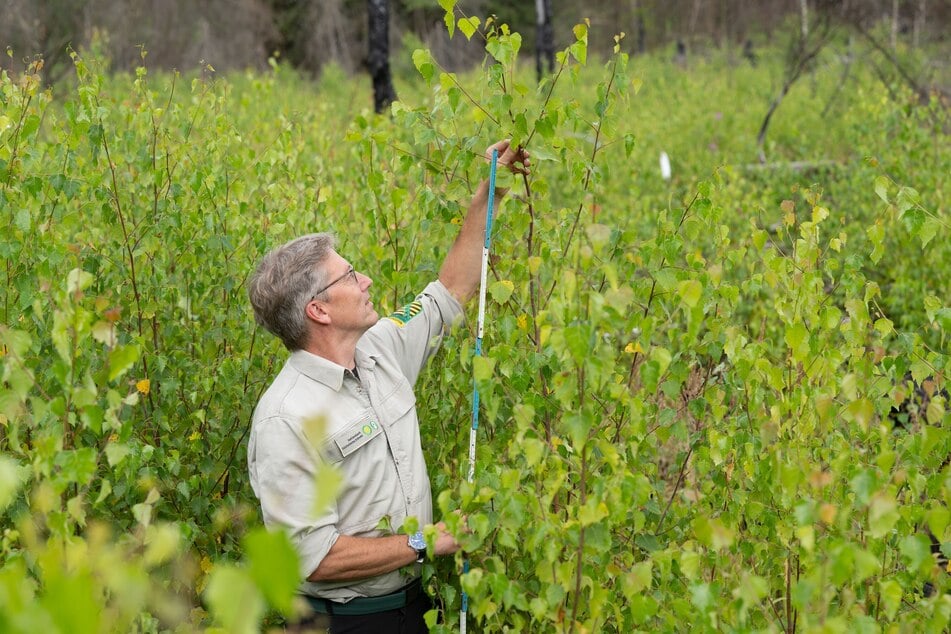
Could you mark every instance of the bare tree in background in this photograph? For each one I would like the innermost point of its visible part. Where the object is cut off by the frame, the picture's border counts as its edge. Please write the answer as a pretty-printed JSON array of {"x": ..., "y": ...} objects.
[
  {"x": 799, "y": 58},
  {"x": 804, "y": 17},
  {"x": 544, "y": 38},
  {"x": 919, "y": 22},
  {"x": 378, "y": 60}
]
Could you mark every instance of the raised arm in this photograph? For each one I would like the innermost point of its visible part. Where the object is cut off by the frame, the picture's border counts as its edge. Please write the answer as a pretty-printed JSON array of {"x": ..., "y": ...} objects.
[{"x": 461, "y": 270}]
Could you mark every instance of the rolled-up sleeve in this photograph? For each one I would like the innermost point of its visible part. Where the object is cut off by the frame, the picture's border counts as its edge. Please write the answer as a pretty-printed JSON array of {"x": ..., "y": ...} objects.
[
  {"x": 415, "y": 331},
  {"x": 283, "y": 470}
]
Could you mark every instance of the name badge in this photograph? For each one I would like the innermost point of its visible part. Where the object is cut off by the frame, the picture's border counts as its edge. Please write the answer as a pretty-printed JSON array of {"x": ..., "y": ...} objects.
[{"x": 354, "y": 437}]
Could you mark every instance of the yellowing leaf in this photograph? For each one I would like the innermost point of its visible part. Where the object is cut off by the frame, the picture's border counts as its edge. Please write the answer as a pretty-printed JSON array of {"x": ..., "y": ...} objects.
[
  {"x": 827, "y": 513},
  {"x": 161, "y": 543},
  {"x": 104, "y": 332},
  {"x": 327, "y": 481},
  {"x": 501, "y": 290},
  {"x": 690, "y": 292},
  {"x": 468, "y": 26},
  {"x": 634, "y": 348},
  {"x": 482, "y": 368}
]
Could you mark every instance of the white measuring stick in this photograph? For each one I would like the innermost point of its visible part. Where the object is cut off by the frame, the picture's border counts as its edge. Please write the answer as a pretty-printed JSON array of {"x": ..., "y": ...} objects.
[{"x": 480, "y": 329}]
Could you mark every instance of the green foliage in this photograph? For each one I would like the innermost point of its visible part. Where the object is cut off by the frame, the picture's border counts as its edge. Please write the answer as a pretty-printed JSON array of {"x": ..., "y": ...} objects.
[{"x": 686, "y": 386}]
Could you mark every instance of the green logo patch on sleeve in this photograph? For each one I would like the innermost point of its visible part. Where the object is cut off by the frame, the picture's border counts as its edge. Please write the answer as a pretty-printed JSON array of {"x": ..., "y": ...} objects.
[{"x": 404, "y": 314}]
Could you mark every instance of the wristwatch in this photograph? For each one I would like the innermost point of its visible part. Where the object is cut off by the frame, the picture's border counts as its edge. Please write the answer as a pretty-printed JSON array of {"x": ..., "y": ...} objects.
[{"x": 418, "y": 543}]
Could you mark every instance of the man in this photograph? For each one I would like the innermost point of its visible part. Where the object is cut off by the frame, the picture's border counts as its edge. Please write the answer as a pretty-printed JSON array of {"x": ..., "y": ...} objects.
[{"x": 355, "y": 372}]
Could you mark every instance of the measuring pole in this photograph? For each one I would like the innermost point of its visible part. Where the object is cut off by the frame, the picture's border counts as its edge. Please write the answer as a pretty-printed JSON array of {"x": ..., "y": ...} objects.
[{"x": 473, "y": 431}]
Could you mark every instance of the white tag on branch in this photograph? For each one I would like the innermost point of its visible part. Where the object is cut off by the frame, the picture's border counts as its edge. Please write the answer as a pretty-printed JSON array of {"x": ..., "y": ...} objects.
[{"x": 664, "y": 166}]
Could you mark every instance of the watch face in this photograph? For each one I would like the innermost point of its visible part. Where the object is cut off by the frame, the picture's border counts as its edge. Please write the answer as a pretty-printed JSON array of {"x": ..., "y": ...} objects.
[{"x": 417, "y": 541}]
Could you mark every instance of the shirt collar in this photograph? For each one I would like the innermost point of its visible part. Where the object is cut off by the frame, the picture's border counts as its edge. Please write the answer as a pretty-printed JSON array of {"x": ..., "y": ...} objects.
[{"x": 326, "y": 371}]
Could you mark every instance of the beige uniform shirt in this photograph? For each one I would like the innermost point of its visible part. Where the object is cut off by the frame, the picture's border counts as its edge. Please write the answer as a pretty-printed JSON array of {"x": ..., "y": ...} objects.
[{"x": 371, "y": 435}]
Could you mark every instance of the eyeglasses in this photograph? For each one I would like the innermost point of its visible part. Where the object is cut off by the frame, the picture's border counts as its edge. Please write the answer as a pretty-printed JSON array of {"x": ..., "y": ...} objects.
[{"x": 350, "y": 272}]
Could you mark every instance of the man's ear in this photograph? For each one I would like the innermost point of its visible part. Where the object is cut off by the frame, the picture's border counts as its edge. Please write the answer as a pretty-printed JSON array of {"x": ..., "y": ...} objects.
[{"x": 315, "y": 312}]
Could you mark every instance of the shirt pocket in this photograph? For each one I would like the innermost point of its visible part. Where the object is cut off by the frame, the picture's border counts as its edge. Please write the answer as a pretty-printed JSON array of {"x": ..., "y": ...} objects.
[
  {"x": 397, "y": 404},
  {"x": 356, "y": 434}
]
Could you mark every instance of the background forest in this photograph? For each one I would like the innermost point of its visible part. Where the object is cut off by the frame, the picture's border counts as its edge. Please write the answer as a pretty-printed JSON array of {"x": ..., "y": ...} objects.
[{"x": 238, "y": 34}]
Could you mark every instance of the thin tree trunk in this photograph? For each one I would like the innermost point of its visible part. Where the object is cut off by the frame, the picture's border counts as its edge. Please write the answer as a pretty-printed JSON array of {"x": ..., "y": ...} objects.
[
  {"x": 544, "y": 38},
  {"x": 694, "y": 16},
  {"x": 804, "y": 12},
  {"x": 894, "y": 25},
  {"x": 378, "y": 59},
  {"x": 639, "y": 27},
  {"x": 918, "y": 23}
]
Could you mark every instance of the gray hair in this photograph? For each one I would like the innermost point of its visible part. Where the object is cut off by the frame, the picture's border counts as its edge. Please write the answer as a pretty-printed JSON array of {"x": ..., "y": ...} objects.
[{"x": 285, "y": 281}]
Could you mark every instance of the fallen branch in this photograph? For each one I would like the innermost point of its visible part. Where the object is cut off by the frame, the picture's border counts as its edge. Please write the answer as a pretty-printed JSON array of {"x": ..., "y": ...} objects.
[{"x": 795, "y": 166}]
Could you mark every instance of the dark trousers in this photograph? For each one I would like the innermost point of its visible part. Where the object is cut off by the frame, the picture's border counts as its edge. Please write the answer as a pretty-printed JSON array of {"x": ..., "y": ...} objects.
[{"x": 405, "y": 620}]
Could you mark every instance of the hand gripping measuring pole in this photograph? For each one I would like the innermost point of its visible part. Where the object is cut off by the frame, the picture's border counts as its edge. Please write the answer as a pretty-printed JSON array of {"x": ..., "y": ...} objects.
[{"x": 480, "y": 327}]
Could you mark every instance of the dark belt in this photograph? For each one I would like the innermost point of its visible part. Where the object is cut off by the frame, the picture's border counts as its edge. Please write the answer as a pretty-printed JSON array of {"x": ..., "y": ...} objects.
[{"x": 368, "y": 605}]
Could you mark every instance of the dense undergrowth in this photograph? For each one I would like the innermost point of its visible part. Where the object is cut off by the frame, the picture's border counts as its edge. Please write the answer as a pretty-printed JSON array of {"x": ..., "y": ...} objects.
[{"x": 688, "y": 382}]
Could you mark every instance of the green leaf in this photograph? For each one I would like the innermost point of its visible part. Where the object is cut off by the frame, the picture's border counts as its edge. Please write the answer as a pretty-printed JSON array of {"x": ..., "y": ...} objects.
[
  {"x": 929, "y": 230},
  {"x": 752, "y": 589},
  {"x": 482, "y": 368},
  {"x": 690, "y": 561},
  {"x": 235, "y": 600},
  {"x": 938, "y": 519},
  {"x": 580, "y": 47},
  {"x": 866, "y": 565},
  {"x": 598, "y": 234},
  {"x": 60, "y": 334},
  {"x": 116, "y": 453},
  {"x": 78, "y": 280},
  {"x": 701, "y": 596},
  {"x": 121, "y": 360},
  {"x": 639, "y": 578},
  {"x": 882, "y": 515},
  {"x": 797, "y": 338},
  {"x": 884, "y": 326},
  {"x": 273, "y": 564},
  {"x": 914, "y": 220},
  {"x": 592, "y": 512},
  {"x": 469, "y": 26},
  {"x": 501, "y": 290},
  {"x": 70, "y": 600},
  {"x": 881, "y": 188},
  {"x": 17, "y": 341},
  {"x": 932, "y": 306},
  {"x": 690, "y": 292},
  {"x": 77, "y": 465},
  {"x": 916, "y": 551},
  {"x": 862, "y": 411},
  {"x": 504, "y": 48},
  {"x": 891, "y": 594},
  {"x": 12, "y": 477},
  {"x": 876, "y": 234},
  {"x": 423, "y": 61},
  {"x": 864, "y": 485},
  {"x": 161, "y": 543}
]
